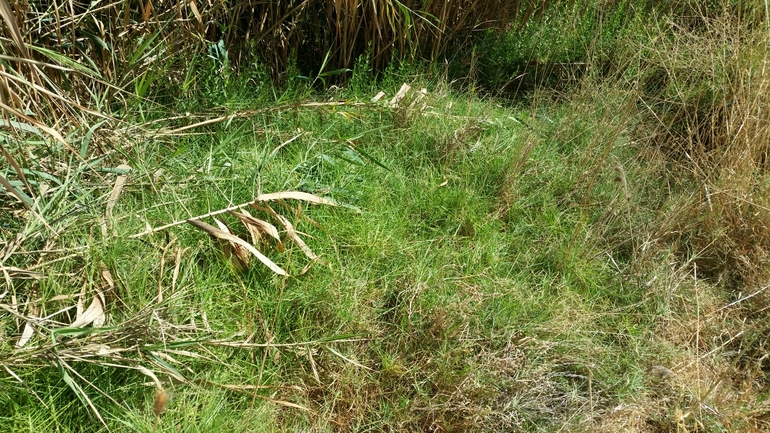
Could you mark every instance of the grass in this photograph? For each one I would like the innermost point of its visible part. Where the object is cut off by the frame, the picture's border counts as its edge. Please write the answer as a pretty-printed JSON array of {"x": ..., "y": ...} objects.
[
  {"x": 576, "y": 263},
  {"x": 470, "y": 284}
]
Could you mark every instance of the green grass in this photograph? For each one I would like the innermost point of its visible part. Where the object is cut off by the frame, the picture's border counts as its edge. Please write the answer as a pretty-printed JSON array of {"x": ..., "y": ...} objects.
[
  {"x": 465, "y": 279},
  {"x": 491, "y": 266}
]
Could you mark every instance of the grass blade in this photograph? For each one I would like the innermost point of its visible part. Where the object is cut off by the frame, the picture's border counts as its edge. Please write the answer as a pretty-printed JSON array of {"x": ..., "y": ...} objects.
[{"x": 294, "y": 195}]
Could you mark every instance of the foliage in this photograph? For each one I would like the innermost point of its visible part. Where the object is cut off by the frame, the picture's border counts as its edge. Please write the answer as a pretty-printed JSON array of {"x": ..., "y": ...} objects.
[{"x": 592, "y": 257}]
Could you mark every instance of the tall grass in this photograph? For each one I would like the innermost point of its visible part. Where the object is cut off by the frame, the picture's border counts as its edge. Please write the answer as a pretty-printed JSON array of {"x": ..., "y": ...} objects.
[
  {"x": 67, "y": 62},
  {"x": 704, "y": 92},
  {"x": 122, "y": 40}
]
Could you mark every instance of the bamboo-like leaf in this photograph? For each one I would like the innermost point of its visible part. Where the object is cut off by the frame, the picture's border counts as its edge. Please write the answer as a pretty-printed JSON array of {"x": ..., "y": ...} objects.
[
  {"x": 29, "y": 330},
  {"x": 291, "y": 232},
  {"x": 260, "y": 225},
  {"x": 233, "y": 251},
  {"x": 294, "y": 195},
  {"x": 217, "y": 233},
  {"x": 93, "y": 314}
]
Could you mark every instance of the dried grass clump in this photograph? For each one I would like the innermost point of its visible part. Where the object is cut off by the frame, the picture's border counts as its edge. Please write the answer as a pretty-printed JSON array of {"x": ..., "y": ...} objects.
[
  {"x": 705, "y": 90},
  {"x": 127, "y": 41}
]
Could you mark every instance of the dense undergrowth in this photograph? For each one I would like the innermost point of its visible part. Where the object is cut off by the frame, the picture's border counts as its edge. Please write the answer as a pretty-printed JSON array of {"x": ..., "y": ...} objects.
[{"x": 562, "y": 229}]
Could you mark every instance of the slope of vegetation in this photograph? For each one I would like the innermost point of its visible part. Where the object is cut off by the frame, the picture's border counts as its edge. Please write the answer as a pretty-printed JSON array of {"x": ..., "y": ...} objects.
[{"x": 214, "y": 220}]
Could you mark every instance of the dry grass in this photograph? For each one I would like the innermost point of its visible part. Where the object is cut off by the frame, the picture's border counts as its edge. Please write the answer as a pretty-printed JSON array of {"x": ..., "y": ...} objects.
[
  {"x": 122, "y": 40},
  {"x": 703, "y": 110},
  {"x": 705, "y": 92}
]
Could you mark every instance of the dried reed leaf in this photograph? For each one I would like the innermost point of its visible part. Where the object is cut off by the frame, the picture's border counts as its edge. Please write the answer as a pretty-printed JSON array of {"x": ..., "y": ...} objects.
[
  {"x": 261, "y": 226},
  {"x": 147, "y": 372},
  {"x": 235, "y": 252},
  {"x": 194, "y": 9},
  {"x": 29, "y": 330},
  {"x": 19, "y": 172},
  {"x": 94, "y": 314},
  {"x": 219, "y": 234},
  {"x": 256, "y": 235},
  {"x": 400, "y": 94},
  {"x": 285, "y": 403},
  {"x": 345, "y": 358},
  {"x": 50, "y": 131},
  {"x": 120, "y": 182},
  {"x": 10, "y": 21},
  {"x": 20, "y": 273},
  {"x": 24, "y": 198},
  {"x": 291, "y": 232},
  {"x": 294, "y": 195},
  {"x": 62, "y": 298},
  {"x": 107, "y": 275},
  {"x": 177, "y": 265}
]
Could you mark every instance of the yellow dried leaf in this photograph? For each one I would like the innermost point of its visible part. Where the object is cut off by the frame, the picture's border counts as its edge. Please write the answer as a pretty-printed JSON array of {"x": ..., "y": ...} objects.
[
  {"x": 292, "y": 233},
  {"x": 120, "y": 182},
  {"x": 257, "y": 226},
  {"x": 294, "y": 195},
  {"x": 219, "y": 234},
  {"x": 93, "y": 314},
  {"x": 237, "y": 254},
  {"x": 25, "y": 335}
]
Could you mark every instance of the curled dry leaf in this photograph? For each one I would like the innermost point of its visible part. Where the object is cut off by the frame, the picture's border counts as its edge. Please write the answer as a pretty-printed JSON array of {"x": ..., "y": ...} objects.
[
  {"x": 107, "y": 275},
  {"x": 120, "y": 182},
  {"x": 257, "y": 227},
  {"x": 94, "y": 314},
  {"x": 237, "y": 254},
  {"x": 147, "y": 372},
  {"x": 219, "y": 234},
  {"x": 290, "y": 231},
  {"x": 29, "y": 330}
]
